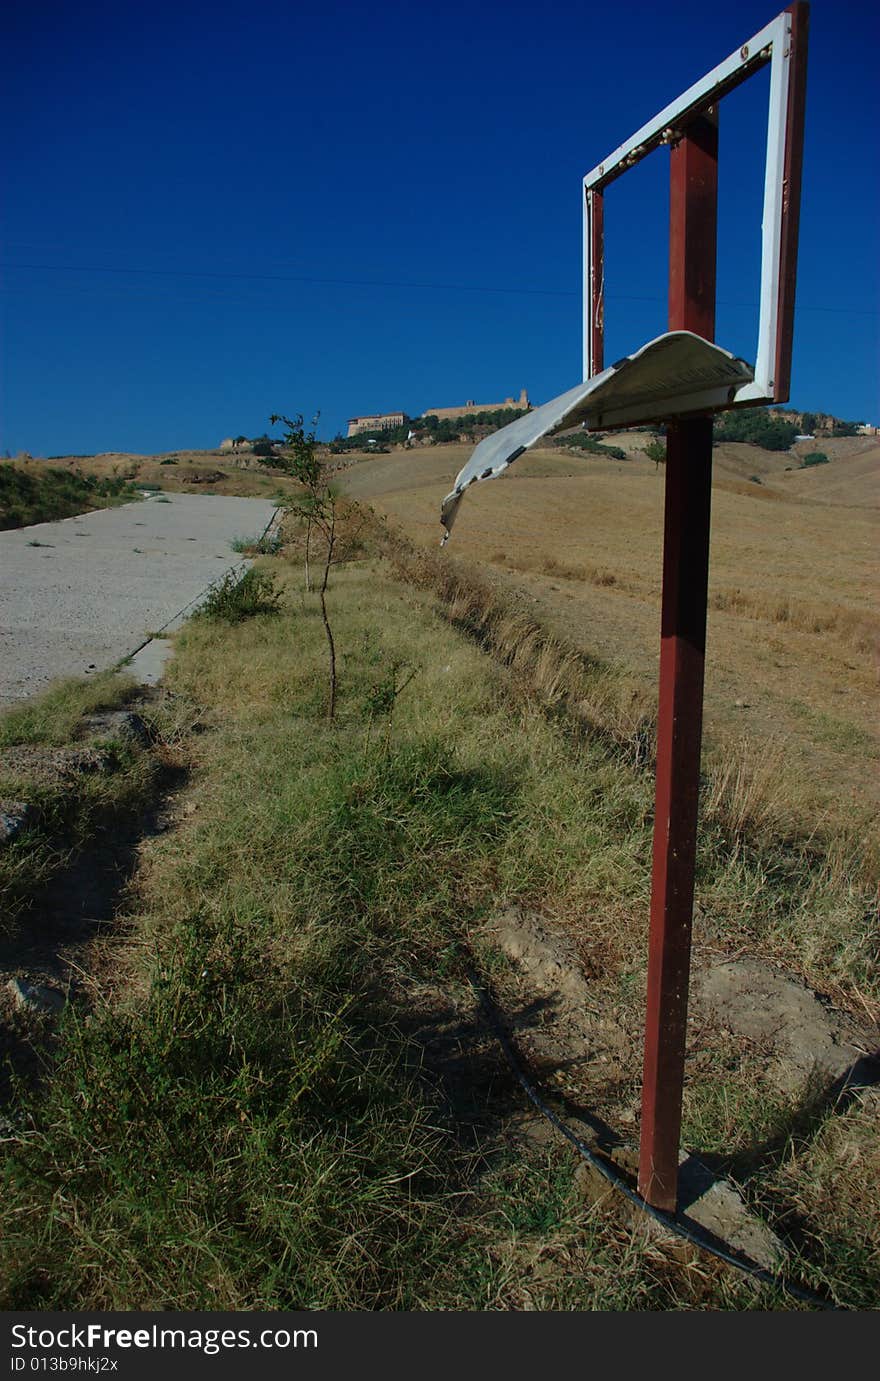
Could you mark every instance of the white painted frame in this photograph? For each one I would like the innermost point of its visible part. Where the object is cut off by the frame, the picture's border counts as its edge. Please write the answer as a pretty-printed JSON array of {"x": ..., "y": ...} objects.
[{"x": 773, "y": 44}]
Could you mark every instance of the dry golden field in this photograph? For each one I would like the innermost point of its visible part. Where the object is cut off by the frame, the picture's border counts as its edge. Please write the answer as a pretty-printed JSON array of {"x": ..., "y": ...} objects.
[{"x": 791, "y": 667}]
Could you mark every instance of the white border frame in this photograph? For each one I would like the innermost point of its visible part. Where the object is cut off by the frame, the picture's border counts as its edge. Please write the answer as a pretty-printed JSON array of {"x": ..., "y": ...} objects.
[{"x": 773, "y": 44}]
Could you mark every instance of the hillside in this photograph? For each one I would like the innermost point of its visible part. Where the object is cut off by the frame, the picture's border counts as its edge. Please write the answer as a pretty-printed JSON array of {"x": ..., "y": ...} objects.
[
  {"x": 852, "y": 477},
  {"x": 793, "y": 623}
]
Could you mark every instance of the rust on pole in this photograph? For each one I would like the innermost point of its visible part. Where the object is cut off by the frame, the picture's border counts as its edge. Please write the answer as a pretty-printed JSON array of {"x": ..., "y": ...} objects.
[
  {"x": 692, "y": 258},
  {"x": 597, "y": 281},
  {"x": 791, "y": 198},
  {"x": 693, "y": 227}
]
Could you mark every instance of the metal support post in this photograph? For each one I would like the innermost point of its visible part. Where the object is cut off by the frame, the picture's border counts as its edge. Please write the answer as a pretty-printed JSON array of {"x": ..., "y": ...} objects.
[{"x": 693, "y": 226}]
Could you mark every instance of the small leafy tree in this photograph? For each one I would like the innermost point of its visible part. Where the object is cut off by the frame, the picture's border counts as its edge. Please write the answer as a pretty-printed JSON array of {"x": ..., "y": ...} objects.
[
  {"x": 300, "y": 460},
  {"x": 656, "y": 451},
  {"x": 318, "y": 506},
  {"x": 263, "y": 448},
  {"x": 384, "y": 693}
]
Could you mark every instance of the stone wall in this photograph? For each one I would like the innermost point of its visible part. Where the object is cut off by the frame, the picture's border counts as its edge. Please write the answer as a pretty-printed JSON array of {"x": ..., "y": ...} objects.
[{"x": 470, "y": 406}]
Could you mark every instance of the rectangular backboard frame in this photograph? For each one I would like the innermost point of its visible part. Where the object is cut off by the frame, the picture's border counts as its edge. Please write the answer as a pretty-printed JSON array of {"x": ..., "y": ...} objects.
[{"x": 782, "y": 43}]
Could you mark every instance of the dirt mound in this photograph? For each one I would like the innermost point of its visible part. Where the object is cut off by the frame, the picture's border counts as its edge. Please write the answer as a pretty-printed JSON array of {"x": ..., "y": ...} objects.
[
  {"x": 590, "y": 1049},
  {"x": 808, "y": 1040}
]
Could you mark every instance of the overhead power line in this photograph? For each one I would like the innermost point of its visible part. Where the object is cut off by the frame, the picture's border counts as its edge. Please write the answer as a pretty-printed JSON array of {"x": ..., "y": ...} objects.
[{"x": 310, "y": 279}]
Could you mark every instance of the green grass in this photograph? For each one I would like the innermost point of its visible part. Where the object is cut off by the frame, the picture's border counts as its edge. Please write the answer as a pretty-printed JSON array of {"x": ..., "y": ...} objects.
[
  {"x": 240, "y": 595},
  {"x": 267, "y": 544},
  {"x": 265, "y": 1133},
  {"x": 42, "y": 493},
  {"x": 728, "y": 1108},
  {"x": 249, "y": 1125},
  {"x": 68, "y": 808},
  {"x": 837, "y": 733},
  {"x": 55, "y": 717}
]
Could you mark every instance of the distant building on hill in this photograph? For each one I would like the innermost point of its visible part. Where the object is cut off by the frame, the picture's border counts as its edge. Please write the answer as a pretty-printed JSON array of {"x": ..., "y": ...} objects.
[
  {"x": 471, "y": 406},
  {"x": 376, "y": 422}
]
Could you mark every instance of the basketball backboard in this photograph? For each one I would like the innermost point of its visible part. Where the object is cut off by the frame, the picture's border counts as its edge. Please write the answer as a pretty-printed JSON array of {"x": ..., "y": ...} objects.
[
  {"x": 682, "y": 373},
  {"x": 782, "y": 44}
]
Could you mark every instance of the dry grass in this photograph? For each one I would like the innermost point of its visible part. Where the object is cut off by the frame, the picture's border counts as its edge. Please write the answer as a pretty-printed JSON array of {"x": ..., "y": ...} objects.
[
  {"x": 602, "y": 697},
  {"x": 559, "y": 570},
  {"x": 744, "y": 791},
  {"x": 185, "y": 472},
  {"x": 854, "y": 629},
  {"x": 754, "y": 792},
  {"x": 792, "y": 633},
  {"x": 833, "y": 1179}
]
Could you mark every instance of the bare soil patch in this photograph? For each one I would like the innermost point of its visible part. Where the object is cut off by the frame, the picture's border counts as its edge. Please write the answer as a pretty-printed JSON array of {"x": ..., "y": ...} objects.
[
  {"x": 583, "y": 1035},
  {"x": 808, "y": 1041}
]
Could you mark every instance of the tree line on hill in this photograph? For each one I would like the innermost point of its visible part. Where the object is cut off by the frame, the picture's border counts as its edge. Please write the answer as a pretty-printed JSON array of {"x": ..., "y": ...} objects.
[
  {"x": 772, "y": 431},
  {"x": 821, "y": 423},
  {"x": 755, "y": 425},
  {"x": 776, "y": 432},
  {"x": 471, "y": 426}
]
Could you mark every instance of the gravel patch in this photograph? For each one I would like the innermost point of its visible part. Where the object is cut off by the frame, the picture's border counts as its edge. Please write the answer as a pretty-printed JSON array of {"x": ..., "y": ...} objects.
[{"x": 79, "y": 595}]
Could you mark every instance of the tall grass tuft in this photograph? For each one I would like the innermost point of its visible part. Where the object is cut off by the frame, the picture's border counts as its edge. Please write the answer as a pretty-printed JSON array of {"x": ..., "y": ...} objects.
[
  {"x": 240, "y": 596},
  {"x": 860, "y": 631},
  {"x": 605, "y": 701}
]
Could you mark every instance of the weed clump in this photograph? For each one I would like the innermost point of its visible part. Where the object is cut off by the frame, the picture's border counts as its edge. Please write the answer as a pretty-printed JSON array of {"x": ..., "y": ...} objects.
[
  {"x": 268, "y": 544},
  {"x": 239, "y": 597}
]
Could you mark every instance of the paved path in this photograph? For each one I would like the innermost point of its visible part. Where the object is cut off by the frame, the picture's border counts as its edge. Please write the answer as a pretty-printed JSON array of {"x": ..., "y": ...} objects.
[{"x": 96, "y": 585}]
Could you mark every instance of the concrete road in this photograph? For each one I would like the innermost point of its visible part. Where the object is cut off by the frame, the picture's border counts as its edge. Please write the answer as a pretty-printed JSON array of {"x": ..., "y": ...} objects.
[{"x": 79, "y": 595}]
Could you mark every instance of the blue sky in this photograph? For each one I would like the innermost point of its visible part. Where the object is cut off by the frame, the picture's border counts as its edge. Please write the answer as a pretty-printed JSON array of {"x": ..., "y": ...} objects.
[{"x": 217, "y": 212}]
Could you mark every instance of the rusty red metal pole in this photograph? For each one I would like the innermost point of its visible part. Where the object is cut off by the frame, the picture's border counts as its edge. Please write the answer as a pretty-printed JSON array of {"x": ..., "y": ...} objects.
[
  {"x": 597, "y": 281},
  {"x": 692, "y": 242}
]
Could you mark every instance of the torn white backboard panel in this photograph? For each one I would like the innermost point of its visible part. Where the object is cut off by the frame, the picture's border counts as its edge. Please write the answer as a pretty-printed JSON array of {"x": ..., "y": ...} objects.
[{"x": 676, "y": 374}]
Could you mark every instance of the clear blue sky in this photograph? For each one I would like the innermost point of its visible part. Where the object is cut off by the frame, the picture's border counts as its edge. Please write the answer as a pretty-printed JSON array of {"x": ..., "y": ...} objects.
[{"x": 216, "y": 212}]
